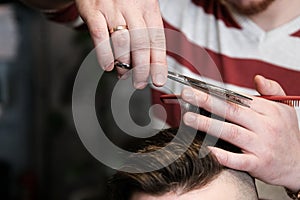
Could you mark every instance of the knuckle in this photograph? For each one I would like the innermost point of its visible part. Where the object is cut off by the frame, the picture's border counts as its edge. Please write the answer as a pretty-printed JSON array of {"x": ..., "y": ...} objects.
[
  {"x": 195, "y": 99},
  {"x": 141, "y": 72},
  {"x": 152, "y": 5},
  {"x": 124, "y": 58},
  {"x": 245, "y": 165},
  {"x": 122, "y": 39},
  {"x": 140, "y": 42},
  {"x": 203, "y": 99},
  {"x": 203, "y": 124},
  {"x": 233, "y": 133},
  {"x": 233, "y": 110},
  {"x": 141, "y": 69},
  {"x": 98, "y": 33},
  {"x": 157, "y": 38}
]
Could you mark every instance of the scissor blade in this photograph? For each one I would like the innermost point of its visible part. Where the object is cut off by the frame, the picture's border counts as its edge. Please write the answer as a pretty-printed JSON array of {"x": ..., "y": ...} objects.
[{"x": 211, "y": 89}]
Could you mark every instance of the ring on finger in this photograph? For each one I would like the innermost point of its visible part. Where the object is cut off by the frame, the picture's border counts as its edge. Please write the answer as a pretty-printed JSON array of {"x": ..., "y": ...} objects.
[
  {"x": 122, "y": 65},
  {"x": 118, "y": 28}
]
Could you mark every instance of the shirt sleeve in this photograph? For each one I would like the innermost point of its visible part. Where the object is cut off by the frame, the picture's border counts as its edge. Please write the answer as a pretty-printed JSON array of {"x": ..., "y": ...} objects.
[{"x": 68, "y": 16}]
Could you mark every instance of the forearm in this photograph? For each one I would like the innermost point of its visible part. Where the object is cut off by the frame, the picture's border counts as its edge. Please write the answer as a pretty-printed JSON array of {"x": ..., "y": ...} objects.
[{"x": 47, "y": 4}]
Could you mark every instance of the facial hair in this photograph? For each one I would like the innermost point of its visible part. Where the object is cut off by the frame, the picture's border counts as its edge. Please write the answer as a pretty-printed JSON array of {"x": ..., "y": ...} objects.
[{"x": 251, "y": 9}]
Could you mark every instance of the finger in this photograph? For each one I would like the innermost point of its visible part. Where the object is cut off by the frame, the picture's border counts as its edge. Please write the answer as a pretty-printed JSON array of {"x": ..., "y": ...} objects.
[
  {"x": 267, "y": 87},
  {"x": 140, "y": 50},
  {"x": 229, "y": 132},
  {"x": 121, "y": 47},
  {"x": 159, "y": 70},
  {"x": 230, "y": 111},
  {"x": 242, "y": 162},
  {"x": 96, "y": 23}
]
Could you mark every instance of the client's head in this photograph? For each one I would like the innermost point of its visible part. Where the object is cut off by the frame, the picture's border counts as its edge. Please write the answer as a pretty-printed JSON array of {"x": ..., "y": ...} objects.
[{"x": 195, "y": 174}]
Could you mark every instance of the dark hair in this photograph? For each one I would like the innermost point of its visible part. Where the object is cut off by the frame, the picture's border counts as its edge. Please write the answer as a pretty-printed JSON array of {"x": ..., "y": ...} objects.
[{"x": 192, "y": 169}]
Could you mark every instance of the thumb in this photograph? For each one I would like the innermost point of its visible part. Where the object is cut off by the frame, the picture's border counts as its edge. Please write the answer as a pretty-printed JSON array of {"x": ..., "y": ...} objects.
[{"x": 267, "y": 87}]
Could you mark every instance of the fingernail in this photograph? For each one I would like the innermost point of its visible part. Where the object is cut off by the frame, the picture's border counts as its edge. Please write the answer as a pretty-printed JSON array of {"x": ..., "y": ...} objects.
[
  {"x": 189, "y": 118},
  {"x": 220, "y": 157},
  {"x": 159, "y": 79},
  {"x": 188, "y": 94},
  {"x": 212, "y": 149},
  {"x": 140, "y": 85},
  {"x": 263, "y": 79},
  {"x": 108, "y": 67}
]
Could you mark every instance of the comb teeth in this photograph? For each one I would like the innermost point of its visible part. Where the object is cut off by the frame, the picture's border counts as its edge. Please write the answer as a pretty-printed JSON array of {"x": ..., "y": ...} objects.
[{"x": 293, "y": 101}]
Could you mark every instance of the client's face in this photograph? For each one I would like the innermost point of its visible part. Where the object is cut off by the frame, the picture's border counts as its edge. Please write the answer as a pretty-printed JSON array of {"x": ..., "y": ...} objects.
[{"x": 216, "y": 190}]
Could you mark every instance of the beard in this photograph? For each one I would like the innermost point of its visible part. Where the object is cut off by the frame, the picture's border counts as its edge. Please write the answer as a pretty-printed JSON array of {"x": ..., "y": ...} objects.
[{"x": 249, "y": 9}]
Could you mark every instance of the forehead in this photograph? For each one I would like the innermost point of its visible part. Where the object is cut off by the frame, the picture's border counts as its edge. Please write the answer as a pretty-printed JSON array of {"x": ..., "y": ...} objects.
[{"x": 216, "y": 190}]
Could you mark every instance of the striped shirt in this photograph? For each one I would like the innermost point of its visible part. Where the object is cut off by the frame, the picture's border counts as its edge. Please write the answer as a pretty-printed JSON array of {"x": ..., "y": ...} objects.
[{"x": 207, "y": 41}]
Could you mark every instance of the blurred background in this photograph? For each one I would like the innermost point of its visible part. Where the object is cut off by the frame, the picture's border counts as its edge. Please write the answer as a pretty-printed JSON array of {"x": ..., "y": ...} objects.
[{"x": 41, "y": 155}]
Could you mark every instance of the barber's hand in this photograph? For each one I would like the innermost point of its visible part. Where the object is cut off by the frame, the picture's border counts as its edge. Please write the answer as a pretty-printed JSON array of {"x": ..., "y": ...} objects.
[
  {"x": 267, "y": 133},
  {"x": 142, "y": 45}
]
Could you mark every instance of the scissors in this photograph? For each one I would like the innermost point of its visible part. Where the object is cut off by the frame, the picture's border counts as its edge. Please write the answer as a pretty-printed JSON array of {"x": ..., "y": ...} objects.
[
  {"x": 217, "y": 91},
  {"x": 211, "y": 89},
  {"x": 208, "y": 88}
]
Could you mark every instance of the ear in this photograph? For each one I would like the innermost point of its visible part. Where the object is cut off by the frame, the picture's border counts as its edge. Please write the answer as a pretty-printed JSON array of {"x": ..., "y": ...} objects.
[{"x": 267, "y": 87}]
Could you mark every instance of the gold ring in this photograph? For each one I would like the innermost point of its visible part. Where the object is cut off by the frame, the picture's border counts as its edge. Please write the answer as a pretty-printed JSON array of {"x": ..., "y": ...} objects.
[{"x": 118, "y": 28}]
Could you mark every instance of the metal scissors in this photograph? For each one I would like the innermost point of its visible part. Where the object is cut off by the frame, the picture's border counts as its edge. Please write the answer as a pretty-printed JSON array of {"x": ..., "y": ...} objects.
[
  {"x": 208, "y": 88},
  {"x": 211, "y": 89}
]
